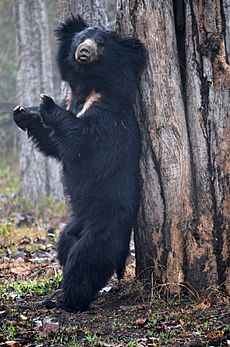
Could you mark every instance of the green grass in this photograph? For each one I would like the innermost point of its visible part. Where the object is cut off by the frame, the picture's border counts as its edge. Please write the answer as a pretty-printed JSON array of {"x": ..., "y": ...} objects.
[
  {"x": 9, "y": 181},
  {"x": 45, "y": 207},
  {"x": 12, "y": 202},
  {"x": 10, "y": 330},
  {"x": 28, "y": 288},
  {"x": 6, "y": 231}
]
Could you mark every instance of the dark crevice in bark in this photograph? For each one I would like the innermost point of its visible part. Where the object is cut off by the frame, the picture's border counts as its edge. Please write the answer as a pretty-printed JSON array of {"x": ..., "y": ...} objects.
[
  {"x": 195, "y": 186},
  {"x": 218, "y": 218},
  {"x": 205, "y": 89},
  {"x": 179, "y": 17},
  {"x": 224, "y": 31},
  {"x": 133, "y": 12},
  {"x": 180, "y": 29},
  {"x": 133, "y": 16}
]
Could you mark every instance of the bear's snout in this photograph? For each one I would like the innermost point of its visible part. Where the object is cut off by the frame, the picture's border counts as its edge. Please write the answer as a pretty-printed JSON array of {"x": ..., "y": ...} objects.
[{"x": 86, "y": 52}]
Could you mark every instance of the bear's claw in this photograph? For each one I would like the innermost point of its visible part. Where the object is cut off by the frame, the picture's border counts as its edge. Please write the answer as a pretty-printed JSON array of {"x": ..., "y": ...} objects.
[
  {"x": 46, "y": 98},
  {"x": 47, "y": 102},
  {"x": 25, "y": 117},
  {"x": 43, "y": 96},
  {"x": 19, "y": 108}
]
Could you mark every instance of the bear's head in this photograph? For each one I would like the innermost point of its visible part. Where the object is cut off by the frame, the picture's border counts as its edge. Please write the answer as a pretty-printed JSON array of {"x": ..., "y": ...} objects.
[{"x": 101, "y": 56}]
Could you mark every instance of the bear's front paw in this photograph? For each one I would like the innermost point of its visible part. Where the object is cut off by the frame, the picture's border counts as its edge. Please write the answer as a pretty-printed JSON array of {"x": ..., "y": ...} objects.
[
  {"x": 26, "y": 117},
  {"x": 49, "y": 111},
  {"x": 47, "y": 103}
]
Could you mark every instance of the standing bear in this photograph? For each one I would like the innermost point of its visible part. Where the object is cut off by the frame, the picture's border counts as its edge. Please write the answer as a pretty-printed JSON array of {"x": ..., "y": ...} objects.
[{"x": 97, "y": 139}]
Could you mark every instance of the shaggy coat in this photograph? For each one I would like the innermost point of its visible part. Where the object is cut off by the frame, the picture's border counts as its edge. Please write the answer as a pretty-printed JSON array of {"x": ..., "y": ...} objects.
[{"x": 97, "y": 139}]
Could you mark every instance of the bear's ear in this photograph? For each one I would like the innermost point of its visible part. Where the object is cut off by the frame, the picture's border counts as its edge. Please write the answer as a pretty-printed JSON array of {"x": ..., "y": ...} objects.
[
  {"x": 65, "y": 34},
  {"x": 136, "y": 49},
  {"x": 66, "y": 31}
]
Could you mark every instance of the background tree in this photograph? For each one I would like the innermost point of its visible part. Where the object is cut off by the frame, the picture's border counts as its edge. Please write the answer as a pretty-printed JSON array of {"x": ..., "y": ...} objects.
[
  {"x": 8, "y": 148},
  {"x": 38, "y": 176},
  {"x": 182, "y": 234},
  {"x": 7, "y": 58}
]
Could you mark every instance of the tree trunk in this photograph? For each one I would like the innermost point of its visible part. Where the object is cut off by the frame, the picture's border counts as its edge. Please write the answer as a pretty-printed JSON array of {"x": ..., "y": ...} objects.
[
  {"x": 182, "y": 237},
  {"x": 93, "y": 12},
  {"x": 39, "y": 175}
]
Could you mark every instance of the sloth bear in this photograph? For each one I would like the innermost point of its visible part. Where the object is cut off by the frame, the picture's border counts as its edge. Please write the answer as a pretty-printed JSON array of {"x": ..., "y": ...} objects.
[{"x": 97, "y": 139}]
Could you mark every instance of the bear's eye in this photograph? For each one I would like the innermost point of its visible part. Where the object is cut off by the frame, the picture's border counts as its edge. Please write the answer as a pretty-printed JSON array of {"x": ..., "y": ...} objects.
[
  {"x": 100, "y": 42},
  {"x": 83, "y": 38}
]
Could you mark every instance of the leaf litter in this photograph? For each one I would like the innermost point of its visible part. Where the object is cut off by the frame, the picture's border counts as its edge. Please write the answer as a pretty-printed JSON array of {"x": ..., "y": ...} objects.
[{"x": 121, "y": 315}]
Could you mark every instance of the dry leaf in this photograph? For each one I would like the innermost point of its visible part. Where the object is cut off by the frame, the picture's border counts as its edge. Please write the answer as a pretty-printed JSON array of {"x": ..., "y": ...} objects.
[
  {"x": 141, "y": 321},
  {"x": 48, "y": 327},
  {"x": 20, "y": 324},
  {"x": 25, "y": 241},
  {"x": 20, "y": 269},
  {"x": 215, "y": 335},
  {"x": 12, "y": 343},
  {"x": 23, "y": 317},
  {"x": 125, "y": 308},
  {"x": 10, "y": 322},
  {"x": 203, "y": 305}
]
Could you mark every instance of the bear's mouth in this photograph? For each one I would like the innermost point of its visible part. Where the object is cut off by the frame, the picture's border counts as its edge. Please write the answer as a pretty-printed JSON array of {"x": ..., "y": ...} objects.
[{"x": 83, "y": 58}]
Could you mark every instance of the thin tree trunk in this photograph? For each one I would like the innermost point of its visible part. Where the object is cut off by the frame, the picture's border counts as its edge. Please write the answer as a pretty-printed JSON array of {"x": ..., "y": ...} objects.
[
  {"x": 183, "y": 227},
  {"x": 39, "y": 175}
]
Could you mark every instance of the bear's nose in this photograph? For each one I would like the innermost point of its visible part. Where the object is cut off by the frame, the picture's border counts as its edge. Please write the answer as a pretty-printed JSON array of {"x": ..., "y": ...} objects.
[
  {"x": 83, "y": 53},
  {"x": 86, "y": 52}
]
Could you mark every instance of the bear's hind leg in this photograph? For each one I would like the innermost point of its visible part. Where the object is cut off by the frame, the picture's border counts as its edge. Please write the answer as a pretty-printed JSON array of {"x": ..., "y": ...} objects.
[
  {"x": 67, "y": 239},
  {"x": 91, "y": 262}
]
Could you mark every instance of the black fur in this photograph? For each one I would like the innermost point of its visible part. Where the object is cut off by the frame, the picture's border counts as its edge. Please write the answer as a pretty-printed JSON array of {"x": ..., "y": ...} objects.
[{"x": 100, "y": 156}]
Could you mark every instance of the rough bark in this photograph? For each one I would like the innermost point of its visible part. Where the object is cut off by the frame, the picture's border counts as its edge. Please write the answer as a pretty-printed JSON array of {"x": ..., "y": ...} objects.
[
  {"x": 39, "y": 175},
  {"x": 94, "y": 12},
  {"x": 182, "y": 237},
  {"x": 208, "y": 96}
]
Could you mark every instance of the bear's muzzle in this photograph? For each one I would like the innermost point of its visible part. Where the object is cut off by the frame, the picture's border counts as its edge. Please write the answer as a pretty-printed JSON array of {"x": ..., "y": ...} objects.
[{"x": 86, "y": 52}]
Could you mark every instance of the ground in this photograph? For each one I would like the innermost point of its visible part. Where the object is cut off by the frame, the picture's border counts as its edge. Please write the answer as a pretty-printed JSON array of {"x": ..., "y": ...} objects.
[{"x": 123, "y": 315}]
